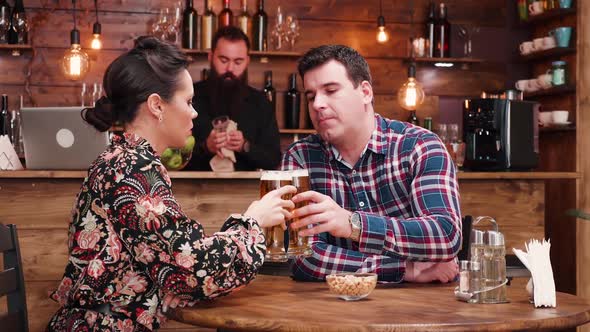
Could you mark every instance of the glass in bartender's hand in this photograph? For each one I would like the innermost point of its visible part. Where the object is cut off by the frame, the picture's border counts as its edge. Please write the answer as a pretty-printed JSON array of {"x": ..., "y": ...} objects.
[
  {"x": 275, "y": 236},
  {"x": 220, "y": 123},
  {"x": 299, "y": 245}
]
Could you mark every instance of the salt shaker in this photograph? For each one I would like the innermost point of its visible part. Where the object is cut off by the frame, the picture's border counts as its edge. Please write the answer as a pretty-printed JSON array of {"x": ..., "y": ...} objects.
[{"x": 464, "y": 276}]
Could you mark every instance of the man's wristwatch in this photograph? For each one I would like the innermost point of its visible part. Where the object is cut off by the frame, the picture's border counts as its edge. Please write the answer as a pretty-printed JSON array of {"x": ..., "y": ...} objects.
[{"x": 355, "y": 223}]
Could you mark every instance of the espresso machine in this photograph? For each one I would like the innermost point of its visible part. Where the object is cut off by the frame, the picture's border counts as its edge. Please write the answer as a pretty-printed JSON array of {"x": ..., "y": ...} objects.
[{"x": 500, "y": 134}]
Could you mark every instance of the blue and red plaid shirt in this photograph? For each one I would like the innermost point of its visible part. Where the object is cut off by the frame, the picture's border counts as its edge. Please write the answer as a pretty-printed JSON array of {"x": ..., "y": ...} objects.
[{"x": 405, "y": 189}]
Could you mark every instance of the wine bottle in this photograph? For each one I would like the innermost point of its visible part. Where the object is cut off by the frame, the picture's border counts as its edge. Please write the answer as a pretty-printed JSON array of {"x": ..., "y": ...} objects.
[
  {"x": 442, "y": 34},
  {"x": 4, "y": 21},
  {"x": 4, "y": 117},
  {"x": 413, "y": 119},
  {"x": 208, "y": 26},
  {"x": 292, "y": 103},
  {"x": 269, "y": 90},
  {"x": 259, "y": 27},
  {"x": 190, "y": 26},
  {"x": 244, "y": 21},
  {"x": 21, "y": 23},
  {"x": 226, "y": 16},
  {"x": 430, "y": 27},
  {"x": 12, "y": 34}
]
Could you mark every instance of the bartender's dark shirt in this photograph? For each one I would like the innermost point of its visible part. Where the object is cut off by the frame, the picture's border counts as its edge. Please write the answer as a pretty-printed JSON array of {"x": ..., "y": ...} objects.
[{"x": 255, "y": 119}]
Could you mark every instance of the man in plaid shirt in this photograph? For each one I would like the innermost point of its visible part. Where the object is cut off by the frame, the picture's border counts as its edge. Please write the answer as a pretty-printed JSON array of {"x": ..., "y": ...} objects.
[{"x": 384, "y": 196}]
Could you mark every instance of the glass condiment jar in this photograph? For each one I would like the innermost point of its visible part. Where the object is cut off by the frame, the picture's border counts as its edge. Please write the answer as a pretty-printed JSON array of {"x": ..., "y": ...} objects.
[{"x": 558, "y": 73}]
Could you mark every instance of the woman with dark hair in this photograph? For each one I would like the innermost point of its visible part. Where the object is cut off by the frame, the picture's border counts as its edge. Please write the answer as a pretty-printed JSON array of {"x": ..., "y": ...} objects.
[{"x": 132, "y": 251}]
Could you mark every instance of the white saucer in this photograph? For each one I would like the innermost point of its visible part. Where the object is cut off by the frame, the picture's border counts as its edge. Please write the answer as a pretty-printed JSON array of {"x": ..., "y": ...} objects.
[{"x": 560, "y": 123}]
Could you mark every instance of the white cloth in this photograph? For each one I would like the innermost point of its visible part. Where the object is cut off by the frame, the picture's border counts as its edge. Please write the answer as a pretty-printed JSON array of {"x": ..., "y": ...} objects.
[
  {"x": 537, "y": 260},
  {"x": 8, "y": 157},
  {"x": 225, "y": 163}
]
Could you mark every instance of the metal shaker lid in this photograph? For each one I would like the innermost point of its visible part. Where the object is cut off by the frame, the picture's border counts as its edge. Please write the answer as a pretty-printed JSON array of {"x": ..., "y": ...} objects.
[
  {"x": 475, "y": 265},
  {"x": 464, "y": 265},
  {"x": 476, "y": 236},
  {"x": 494, "y": 238}
]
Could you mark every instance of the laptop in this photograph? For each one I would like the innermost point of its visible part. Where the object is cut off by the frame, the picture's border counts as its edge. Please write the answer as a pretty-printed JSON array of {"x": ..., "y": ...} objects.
[{"x": 58, "y": 138}]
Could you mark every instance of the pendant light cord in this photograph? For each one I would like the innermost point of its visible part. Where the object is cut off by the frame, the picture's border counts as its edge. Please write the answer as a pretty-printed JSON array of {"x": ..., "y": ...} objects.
[
  {"x": 96, "y": 9},
  {"x": 380, "y": 7},
  {"x": 74, "y": 13}
]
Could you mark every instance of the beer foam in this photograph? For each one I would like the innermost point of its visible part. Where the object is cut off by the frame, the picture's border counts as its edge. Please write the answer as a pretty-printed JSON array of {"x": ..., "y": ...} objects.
[
  {"x": 300, "y": 172},
  {"x": 276, "y": 175}
]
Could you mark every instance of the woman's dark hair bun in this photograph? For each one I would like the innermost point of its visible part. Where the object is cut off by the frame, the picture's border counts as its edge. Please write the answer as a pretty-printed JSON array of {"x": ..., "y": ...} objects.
[
  {"x": 147, "y": 43},
  {"x": 102, "y": 115}
]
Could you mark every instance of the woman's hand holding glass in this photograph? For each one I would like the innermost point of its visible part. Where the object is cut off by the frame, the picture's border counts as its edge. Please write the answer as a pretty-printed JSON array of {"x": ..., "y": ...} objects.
[{"x": 271, "y": 209}]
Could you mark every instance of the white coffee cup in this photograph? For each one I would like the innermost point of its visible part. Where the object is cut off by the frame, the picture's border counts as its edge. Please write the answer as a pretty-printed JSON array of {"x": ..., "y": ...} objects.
[
  {"x": 522, "y": 85},
  {"x": 538, "y": 44},
  {"x": 548, "y": 42},
  {"x": 526, "y": 47},
  {"x": 544, "y": 80},
  {"x": 536, "y": 8},
  {"x": 545, "y": 118},
  {"x": 560, "y": 116}
]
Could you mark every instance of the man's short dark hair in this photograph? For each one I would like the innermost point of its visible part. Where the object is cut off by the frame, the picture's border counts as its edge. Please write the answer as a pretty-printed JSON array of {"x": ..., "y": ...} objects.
[
  {"x": 230, "y": 33},
  {"x": 356, "y": 66}
]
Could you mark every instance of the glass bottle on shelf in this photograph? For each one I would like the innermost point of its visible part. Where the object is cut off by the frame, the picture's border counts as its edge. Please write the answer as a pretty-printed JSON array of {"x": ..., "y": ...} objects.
[
  {"x": 208, "y": 26},
  {"x": 226, "y": 16},
  {"x": 269, "y": 90},
  {"x": 22, "y": 25},
  {"x": 12, "y": 34},
  {"x": 83, "y": 95},
  {"x": 4, "y": 21},
  {"x": 259, "y": 29},
  {"x": 278, "y": 33},
  {"x": 430, "y": 28},
  {"x": 190, "y": 26},
  {"x": 292, "y": 104},
  {"x": 4, "y": 116},
  {"x": 244, "y": 21},
  {"x": 413, "y": 119},
  {"x": 96, "y": 93},
  {"x": 442, "y": 34}
]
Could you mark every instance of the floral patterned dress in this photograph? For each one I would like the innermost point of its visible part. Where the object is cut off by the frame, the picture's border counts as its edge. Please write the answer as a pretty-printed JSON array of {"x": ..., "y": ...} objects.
[{"x": 130, "y": 244}]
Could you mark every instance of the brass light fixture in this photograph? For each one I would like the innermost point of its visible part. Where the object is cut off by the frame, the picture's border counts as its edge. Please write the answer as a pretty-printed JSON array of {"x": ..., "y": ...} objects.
[
  {"x": 75, "y": 62},
  {"x": 382, "y": 35},
  {"x": 96, "y": 28}
]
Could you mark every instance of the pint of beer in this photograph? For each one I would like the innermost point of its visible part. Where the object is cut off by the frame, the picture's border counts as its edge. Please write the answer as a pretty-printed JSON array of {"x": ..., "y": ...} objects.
[
  {"x": 275, "y": 236},
  {"x": 299, "y": 245}
]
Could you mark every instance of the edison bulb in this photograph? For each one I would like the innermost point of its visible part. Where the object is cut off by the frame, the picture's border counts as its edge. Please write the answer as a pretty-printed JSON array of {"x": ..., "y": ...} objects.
[
  {"x": 96, "y": 43},
  {"x": 410, "y": 95},
  {"x": 382, "y": 35},
  {"x": 75, "y": 63}
]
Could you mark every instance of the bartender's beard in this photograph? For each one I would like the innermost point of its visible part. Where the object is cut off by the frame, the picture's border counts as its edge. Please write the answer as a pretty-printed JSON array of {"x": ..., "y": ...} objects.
[{"x": 226, "y": 90}]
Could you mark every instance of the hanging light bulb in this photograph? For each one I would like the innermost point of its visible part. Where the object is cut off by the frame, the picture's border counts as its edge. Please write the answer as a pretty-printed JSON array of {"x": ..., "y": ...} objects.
[
  {"x": 96, "y": 42},
  {"x": 382, "y": 35},
  {"x": 75, "y": 62},
  {"x": 411, "y": 95}
]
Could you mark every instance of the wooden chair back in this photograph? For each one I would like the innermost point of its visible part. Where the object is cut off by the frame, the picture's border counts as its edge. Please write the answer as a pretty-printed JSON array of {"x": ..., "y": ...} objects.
[{"x": 12, "y": 283}]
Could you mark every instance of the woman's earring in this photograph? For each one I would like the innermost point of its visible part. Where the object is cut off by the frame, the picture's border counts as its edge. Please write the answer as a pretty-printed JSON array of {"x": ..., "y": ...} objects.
[{"x": 160, "y": 117}]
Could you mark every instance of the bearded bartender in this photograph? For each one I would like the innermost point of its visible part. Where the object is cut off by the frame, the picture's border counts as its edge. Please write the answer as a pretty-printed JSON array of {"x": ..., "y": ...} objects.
[{"x": 256, "y": 141}]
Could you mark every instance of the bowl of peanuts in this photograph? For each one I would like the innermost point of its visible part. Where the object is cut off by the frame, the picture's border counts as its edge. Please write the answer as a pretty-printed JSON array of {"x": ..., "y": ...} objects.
[{"x": 352, "y": 286}]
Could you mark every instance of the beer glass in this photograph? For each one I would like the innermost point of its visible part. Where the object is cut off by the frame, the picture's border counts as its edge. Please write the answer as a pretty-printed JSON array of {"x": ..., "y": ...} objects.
[
  {"x": 299, "y": 245},
  {"x": 275, "y": 236}
]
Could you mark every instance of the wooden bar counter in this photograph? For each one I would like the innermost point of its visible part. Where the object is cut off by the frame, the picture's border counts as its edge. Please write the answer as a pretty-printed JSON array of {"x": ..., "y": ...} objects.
[{"x": 40, "y": 202}]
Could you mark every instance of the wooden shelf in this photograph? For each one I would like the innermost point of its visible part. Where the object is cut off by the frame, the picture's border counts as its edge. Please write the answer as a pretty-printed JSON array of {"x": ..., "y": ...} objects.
[
  {"x": 550, "y": 53},
  {"x": 16, "y": 49},
  {"x": 64, "y": 174},
  {"x": 297, "y": 131},
  {"x": 556, "y": 90},
  {"x": 556, "y": 129},
  {"x": 252, "y": 53},
  {"x": 550, "y": 14},
  {"x": 444, "y": 60}
]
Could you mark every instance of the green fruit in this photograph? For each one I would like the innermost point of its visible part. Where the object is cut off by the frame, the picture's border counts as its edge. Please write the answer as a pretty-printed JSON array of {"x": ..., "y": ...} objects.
[
  {"x": 167, "y": 153},
  {"x": 189, "y": 144},
  {"x": 175, "y": 161}
]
